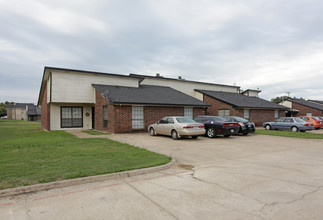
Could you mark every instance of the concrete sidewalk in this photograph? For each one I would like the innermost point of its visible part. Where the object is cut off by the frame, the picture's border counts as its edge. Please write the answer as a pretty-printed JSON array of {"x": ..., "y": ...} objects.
[{"x": 80, "y": 134}]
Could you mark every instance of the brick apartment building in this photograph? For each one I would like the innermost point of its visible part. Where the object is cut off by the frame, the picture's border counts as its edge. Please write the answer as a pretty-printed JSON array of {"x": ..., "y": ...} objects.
[
  {"x": 23, "y": 111},
  {"x": 302, "y": 107},
  {"x": 77, "y": 99},
  {"x": 246, "y": 105}
]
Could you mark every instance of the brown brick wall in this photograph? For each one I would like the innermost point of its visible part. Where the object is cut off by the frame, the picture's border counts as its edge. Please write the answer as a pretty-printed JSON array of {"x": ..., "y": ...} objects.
[
  {"x": 45, "y": 112},
  {"x": 218, "y": 105},
  {"x": 304, "y": 109},
  {"x": 123, "y": 119},
  {"x": 199, "y": 111},
  {"x": 99, "y": 115},
  {"x": 120, "y": 117},
  {"x": 257, "y": 116}
]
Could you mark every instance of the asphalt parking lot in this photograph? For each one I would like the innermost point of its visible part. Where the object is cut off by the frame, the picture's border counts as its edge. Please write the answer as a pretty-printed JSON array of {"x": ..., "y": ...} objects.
[{"x": 241, "y": 177}]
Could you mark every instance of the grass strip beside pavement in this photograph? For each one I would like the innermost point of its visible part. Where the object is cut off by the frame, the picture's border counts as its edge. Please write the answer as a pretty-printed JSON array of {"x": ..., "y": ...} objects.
[
  {"x": 304, "y": 135},
  {"x": 95, "y": 133},
  {"x": 29, "y": 155}
]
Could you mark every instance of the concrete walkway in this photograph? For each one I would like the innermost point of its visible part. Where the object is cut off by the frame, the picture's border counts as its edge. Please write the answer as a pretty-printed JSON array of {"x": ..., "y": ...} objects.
[{"x": 80, "y": 134}]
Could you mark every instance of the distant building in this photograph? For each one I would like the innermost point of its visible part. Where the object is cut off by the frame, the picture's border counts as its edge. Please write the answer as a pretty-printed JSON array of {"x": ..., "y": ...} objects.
[
  {"x": 23, "y": 111},
  {"x": 302, "y": 107}
]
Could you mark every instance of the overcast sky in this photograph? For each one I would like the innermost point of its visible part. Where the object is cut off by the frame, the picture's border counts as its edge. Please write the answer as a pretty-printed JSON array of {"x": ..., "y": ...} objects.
[{"x": 276, "y": 46}]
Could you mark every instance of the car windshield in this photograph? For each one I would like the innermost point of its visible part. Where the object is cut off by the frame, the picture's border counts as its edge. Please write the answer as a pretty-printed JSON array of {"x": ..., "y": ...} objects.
[
  {"x": 185, "y": 120},
  {"x": 299, "y": 120},
  {"x": 316, "y": 118},
  {"x": 240, "y": 119}
]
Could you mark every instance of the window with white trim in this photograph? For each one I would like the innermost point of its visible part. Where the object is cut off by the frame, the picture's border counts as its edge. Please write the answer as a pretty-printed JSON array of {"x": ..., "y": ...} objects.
[
  {"x": 276, "y": 113},
  {"x": 137, "y": 117},
  {"x": 188, "y": 112},
  {"x": 246, "y": 113},
  {"x": 309, "y": 114},
  {"x": 71, "y": 117},
  {"x": 223, "y": 112}
]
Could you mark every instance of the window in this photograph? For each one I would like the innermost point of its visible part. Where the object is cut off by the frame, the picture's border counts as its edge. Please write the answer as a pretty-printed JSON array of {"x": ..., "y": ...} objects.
[
  {"x": 279, "y": 120},
  {"x": 246, "y": 113},
  {"x": 170, "y": 121},
  {"x": 288, "y": 120},
  {"x": 276, "y": 113},
  {"x": 188, "y": 112},
  {"x": 105, "y": 116},
  {"x": 224, "y": 112},
  {"x": 137, "y": 117},
  {"x": 71, "y": 117},
  {"x": 309, "y": 114}
]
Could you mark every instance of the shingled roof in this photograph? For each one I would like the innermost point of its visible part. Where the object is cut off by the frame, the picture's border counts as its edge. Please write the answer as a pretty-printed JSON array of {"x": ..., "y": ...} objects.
[
  {"x": 147, "y": 95},
  {"x": 33, "y": 110},
  {"x": 238, "y": 100},
  {"x": 316, "y": 101},
  {"x": 307, "y": 103}
]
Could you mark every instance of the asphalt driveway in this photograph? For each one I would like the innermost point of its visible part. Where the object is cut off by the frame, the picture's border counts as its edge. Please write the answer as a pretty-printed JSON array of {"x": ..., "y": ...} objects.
[{"x": 241, "y": 177}]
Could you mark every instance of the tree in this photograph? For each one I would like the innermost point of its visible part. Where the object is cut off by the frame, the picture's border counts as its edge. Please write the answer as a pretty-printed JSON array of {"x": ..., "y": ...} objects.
[
  {"x": 3, "y": 109},
  {"x": 280, "y": 99}
]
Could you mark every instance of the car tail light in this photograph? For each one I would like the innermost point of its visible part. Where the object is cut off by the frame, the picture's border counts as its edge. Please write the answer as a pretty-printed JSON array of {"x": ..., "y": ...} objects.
[
  {"x": 201, "y": 126},
  {"x": 188, "y": 127},
  {"x": 230, "y": 125},
  {"x": 306, "y": 125}
]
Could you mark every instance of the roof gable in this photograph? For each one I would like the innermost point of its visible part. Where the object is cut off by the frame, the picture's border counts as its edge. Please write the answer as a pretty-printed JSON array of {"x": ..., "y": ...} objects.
[
  {"x": 147, "y": 95},
  {"x": 307, "y": 103},
  {"x": 238, "y": 100}
]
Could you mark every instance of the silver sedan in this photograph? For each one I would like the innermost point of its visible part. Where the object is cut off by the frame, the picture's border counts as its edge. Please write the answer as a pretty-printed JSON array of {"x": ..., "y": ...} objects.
[{"x": 177, "y": 127}]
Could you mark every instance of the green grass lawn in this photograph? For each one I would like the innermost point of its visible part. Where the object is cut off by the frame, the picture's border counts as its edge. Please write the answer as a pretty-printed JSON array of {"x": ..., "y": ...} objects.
[
  {"x": 29, "y": 155},
  {"x": 95, "y": 133},
  {"x": 305, "y": 135}
]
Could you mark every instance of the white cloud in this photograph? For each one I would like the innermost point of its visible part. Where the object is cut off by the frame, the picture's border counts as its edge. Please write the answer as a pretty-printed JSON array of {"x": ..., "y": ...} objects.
[
  {"x": 273, "y": 45},
  {"x": 195, "y": 17},
  {"x": 56, "y": 17}
]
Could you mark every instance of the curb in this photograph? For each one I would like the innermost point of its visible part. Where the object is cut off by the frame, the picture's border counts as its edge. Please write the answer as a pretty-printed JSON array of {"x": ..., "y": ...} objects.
[{"x": 83, "y": 180}]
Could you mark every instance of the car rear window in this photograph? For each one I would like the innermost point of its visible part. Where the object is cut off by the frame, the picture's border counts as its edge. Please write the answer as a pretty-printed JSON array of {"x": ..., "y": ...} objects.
[
  {"x": 299, "y": 120},
  {"x": 185, "y": 120},
  {"x": 218, "y": 118},
  {"x": 316, "y": 118},
  {"x": 240, "y": 119}
]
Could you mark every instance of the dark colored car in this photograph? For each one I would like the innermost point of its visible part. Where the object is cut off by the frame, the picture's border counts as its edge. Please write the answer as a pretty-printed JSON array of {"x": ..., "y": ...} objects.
[
  {"x": 290, "y": 124},
  {"x": 216, "y": 125},
  {"x": 246, "y": 126}
]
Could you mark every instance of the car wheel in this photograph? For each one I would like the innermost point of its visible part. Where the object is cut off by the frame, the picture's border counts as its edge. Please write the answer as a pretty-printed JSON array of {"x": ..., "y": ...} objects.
[
  {"x": 194, "y": 137},
  {"x": 152, "y": 132},
  {"x": 245, "y": 133},
  {"x": 210, "y": 132},
  {"x": 226, "y": 135},
  {"x": 294, "y": 129},
  {"x": 174, "y": 135},
  {"x": 317, "y": 128},
  {"x": 268, "y": 127}
]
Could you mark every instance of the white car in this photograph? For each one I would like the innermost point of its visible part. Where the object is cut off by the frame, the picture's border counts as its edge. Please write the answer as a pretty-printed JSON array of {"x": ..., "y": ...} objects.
[{"x": 177, "y": 127}]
